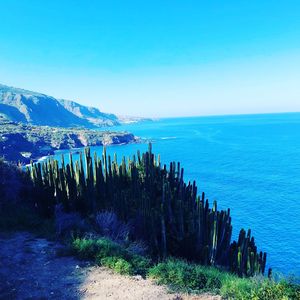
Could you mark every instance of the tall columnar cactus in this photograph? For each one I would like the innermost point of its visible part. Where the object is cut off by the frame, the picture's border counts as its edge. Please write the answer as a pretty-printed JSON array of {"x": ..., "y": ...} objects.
[{"x": 172, "y": 218}]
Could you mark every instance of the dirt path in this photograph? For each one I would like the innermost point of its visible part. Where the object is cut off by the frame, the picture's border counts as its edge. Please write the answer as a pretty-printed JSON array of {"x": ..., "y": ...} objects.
[{"x": 30, "y": 269}]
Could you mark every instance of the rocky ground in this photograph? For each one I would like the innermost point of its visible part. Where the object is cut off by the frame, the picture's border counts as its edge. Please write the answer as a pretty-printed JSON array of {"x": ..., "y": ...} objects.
[{"x": 30, "y": 268}]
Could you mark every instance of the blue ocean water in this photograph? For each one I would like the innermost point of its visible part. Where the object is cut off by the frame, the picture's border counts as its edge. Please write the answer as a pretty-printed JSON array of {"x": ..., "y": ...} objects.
[{"x": 250, "y": 163}]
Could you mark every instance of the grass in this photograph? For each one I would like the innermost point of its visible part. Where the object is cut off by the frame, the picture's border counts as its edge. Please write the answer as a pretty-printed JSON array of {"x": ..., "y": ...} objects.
[
  {"x": 111, "y": 254},
  {"x": 182, "y": 276},
  {"x": 118, "y": 264}
]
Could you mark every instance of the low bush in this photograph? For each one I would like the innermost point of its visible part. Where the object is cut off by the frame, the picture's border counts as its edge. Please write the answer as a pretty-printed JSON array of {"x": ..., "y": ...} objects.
[
  {"x": 84, "y": 248},
  {"x": 89, "y": 248},
  {"x": 118, "y": 264},
  {"x": 111, "y": 254},
  {"x": 283, "y": 290},
  {"x": 236, "y": 288},
  {"x": 140, "y": 264},
  {"x": 180, "y": 275}
]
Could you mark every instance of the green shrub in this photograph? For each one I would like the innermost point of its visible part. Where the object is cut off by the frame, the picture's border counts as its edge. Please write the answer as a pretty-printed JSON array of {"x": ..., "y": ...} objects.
[
  {"x": 88, "y": 248},
  {"x": 184, "y": 276},
  {"x": 113, "y": 255},
  {"x": 123, "y": 267},
  {"x": 106, "y": 247},
  {"x": 118, "y": 264},
  {"x": 276, "y": 291},
  {"x": 84, "y": 248},
  {"x": 258, "y": 288},
  {"x": 236, "y": 288},
  {"x": 140, "y": 264}
]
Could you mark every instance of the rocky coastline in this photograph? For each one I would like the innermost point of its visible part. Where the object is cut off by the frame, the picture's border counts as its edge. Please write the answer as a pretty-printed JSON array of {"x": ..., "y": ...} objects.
[{"x": 24, "y": 143}]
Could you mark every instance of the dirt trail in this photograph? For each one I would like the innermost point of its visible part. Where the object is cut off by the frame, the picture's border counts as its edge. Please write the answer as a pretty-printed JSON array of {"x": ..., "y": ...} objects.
[{"x": 30, "y": 269}]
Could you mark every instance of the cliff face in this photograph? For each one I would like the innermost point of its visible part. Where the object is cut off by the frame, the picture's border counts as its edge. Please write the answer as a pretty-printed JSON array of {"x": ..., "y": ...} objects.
[
  {"x": 91, "y": 114},
  {"x": 22, "y": 143},
  {"x": 33, "y": 108}
]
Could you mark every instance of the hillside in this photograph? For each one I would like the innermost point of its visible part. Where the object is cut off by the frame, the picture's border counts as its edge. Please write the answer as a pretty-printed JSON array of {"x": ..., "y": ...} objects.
[
  {"x": 34, "y": 108},
  {"x": 91, "y": 114},
  {"x": 20, "y": 142},
  {"x": 63, "y": 228}
]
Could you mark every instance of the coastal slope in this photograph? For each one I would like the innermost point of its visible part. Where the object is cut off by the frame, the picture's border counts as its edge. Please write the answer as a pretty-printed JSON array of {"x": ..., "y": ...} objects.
[{"x": 21, "y": 142}]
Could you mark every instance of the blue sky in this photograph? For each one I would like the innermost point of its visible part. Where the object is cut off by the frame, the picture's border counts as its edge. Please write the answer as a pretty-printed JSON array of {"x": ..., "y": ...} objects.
[{"x": 156, "y": 58}]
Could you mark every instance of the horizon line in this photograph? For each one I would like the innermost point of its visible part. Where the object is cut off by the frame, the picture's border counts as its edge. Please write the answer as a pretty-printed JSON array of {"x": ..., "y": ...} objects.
[
  {"x": 224, "y": 115},
  {"x": 157, "y": 118}
]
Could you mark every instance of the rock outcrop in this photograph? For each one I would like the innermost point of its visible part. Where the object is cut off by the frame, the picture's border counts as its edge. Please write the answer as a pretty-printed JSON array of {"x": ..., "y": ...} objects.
[{"x": 19, "y": 142}]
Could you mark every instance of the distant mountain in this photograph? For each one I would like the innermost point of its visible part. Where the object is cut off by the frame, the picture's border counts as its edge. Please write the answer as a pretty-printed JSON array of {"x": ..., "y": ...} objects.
[
  {"x": 131, "y": 119},
  {"x": 92, "y": 114},
  {"x": 28, "y": 107}
]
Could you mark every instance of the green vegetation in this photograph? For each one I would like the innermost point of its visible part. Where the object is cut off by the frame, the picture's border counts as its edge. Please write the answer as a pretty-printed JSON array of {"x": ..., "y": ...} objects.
[
  {"x": 166, "y": 212},
  {"x": 138, "y": 218},
  {"x": 182, "y": 276},
  {"x": 111, "y": 254}
]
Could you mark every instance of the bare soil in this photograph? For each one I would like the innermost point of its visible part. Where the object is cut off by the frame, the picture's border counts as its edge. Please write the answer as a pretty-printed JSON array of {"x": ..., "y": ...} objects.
[{"x": 31, "y": 269}]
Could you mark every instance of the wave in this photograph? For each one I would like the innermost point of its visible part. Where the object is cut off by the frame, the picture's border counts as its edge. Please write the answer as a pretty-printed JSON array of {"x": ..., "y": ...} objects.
[{"x": 169, "y": 138}]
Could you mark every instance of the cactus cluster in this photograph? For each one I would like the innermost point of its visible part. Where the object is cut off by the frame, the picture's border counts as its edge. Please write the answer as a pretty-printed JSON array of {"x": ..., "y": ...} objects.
[
  {"x": 170, "y": 215},
  {"x": 244, "y": 256}
]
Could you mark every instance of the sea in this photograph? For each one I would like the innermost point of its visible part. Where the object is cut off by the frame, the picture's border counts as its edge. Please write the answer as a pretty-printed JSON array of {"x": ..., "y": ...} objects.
[{"x": 248, "y": 163}]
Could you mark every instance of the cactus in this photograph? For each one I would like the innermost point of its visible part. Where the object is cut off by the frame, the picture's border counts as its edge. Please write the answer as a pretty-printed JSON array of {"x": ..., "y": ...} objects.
[{"x": 174, "y": 219}]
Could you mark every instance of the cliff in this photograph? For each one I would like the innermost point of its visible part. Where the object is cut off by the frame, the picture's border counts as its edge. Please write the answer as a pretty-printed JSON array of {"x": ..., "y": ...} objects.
[
  {"x": 34, "y": 108},
  {"x": 20, "y": 142}
]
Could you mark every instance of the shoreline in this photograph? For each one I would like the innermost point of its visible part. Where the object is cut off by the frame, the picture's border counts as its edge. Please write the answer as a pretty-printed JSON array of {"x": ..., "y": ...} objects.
[
  {"x": 25, "y": 143},
  {"x": 79, "y": 150}
]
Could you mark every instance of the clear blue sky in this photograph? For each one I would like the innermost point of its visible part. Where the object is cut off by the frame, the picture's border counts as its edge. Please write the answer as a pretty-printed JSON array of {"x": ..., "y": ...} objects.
[{"x": 156, "y": 58}]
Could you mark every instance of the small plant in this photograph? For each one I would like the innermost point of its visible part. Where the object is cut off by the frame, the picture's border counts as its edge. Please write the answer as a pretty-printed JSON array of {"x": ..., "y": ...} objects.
[
  {"x": 84, "y": 248},
  {"x": 140, "y": 264},
  {"x": 111, "y": 254},
  {"x": 106, "y": 247},
  {"x": 184, "y": 276},
  {"x": 236, "y": 288},
  {"x": 275, "y": 290},
  {"x": 118, "y": 264}
]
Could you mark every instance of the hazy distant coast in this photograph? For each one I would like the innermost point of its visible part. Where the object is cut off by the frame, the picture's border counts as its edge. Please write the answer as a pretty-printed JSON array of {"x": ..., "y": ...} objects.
[{"x": 34, "y": 108}]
